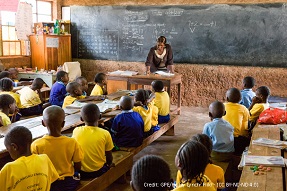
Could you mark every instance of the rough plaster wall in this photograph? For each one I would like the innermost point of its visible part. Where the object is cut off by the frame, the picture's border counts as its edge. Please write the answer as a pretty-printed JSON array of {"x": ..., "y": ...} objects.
[
  {"x": 202, "y": 84},
  {"x": 12, "y": 62},
  {"x": 164, "y": 2}
]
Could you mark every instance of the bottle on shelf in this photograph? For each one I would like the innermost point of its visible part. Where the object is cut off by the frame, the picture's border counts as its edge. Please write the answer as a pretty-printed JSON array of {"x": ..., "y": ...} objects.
[{"x": 57, "y": 27}]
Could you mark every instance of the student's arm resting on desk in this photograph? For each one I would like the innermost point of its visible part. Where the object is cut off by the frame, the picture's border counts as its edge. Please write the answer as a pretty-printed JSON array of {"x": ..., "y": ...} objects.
[
  {"x": 92, "y": 98},
  {"x": 109, "y": 158}
]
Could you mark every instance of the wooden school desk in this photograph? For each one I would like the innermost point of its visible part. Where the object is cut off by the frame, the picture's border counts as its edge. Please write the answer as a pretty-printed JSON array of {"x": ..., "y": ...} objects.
[
  {"x": 272, "y": 180},
  {"x": 168, "y": 81},
  {"x": 49, "y": 79}
]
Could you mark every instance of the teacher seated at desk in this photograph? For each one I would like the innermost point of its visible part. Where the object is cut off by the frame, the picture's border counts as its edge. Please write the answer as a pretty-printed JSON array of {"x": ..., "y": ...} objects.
[{"x": 160, "y": 57}]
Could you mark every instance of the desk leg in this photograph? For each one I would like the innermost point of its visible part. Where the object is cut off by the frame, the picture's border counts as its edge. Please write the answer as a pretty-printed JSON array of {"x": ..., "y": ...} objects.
[
  {"x": 128, "y": 85},
  {"x": 179, "y": 98}
]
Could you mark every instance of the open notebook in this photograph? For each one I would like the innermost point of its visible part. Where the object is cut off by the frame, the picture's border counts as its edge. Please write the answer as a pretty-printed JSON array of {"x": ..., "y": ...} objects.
[{"x": 103, "y": 106}]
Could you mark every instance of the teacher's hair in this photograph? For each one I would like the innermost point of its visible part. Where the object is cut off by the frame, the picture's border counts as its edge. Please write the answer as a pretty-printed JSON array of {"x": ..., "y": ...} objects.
[{"x": 161, "y": 39}]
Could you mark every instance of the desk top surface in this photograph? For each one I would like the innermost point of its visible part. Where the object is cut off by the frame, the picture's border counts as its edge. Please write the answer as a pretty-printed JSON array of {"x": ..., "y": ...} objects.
[
  {"x": 272, "y": 180},
  {"x": 72, "y": 119},
  {"x": 149, "y": 76}
]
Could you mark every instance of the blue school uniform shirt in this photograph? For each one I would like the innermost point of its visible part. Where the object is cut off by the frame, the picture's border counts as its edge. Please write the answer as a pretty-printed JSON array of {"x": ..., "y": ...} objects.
[
  {"x": 128, "y": 129},
  {"x": 58, "y": 93},
  {"x": 246, "y": 97},
  {"x": 221, "y": 134}
]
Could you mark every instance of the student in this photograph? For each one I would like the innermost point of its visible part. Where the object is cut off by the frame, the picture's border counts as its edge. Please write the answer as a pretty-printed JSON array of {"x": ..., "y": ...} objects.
[
  {"x": 191, "y": 160},
  {"x": 7, "y": 106},
  {"x": 84, "y": 83},
  {"x": 220, "y": 132},
  {"x": 96, "y": 143},
  {"x": 127, "y": 127},
  {"x": 161, "y": 101},
  {"x": 213, "y": 172},
  {"x": 148, "y": 171},
  {"x": 31, "y": 98},
  {"x": 58, "y": 90},
  {"x": 259, "y": 104},
  {"x": 14, "y": 77},
  {"x": 64, "y": 152},
  {"x": 27, "y": 171},
  {"x": 154, "y": 118},
  {"x": 144, "y": 108},
  {"x": 75, "y": 93},
  {"x": 238, "y": 116},
  {"x": 247, "y": 94},
  {"x": 13, "y": 74},
  {"x": 101, "y": 85},
  {"x": 5, "y": 74},
  {"x": 6, "y": 87}
]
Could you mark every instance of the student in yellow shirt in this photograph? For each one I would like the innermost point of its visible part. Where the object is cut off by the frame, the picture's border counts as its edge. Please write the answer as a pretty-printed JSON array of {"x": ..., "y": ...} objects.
[
  {"x": 151, "y": 173},
  {"x": 28, "y": 171},
  {"x": 64, "y": 152},
  {"x": 84, "y": 83},
  {"x": 6, "y": 87},
  {"x": 75, "y": 93},
  {"x": 96, "y": 143},
  {"x": 14, "y": 77},
  {"x": 191, "y": 160},
  {"x": 161, "y": 101},
  {"x": 101, "y": 85},
  {"x": 259, "y": 104},
  {"x": 213, "y": 172},
  {"x": 238, "y": 116},
  {"x": 143, "y": 105},
  {"x": 31, "y": 98},
  {"x": 7, "y": 106}
]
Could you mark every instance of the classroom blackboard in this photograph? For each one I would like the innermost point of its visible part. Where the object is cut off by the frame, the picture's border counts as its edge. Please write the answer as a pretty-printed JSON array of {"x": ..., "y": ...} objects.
[{"x": 246, "y": 35}]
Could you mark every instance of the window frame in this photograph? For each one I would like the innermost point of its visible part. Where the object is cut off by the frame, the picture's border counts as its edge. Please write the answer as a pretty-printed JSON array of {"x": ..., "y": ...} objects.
[{"x": 22, "y": 43}]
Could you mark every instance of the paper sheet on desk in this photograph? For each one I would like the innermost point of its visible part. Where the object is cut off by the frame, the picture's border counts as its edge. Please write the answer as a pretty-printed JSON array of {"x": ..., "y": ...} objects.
[
  {"x": 164, "y": 73},
  {"x": 270, "y": 143},
  {"x": 124, "y": 73},
  {"x": 280, "y": 105},
  {"x": 107, "y": 104}
]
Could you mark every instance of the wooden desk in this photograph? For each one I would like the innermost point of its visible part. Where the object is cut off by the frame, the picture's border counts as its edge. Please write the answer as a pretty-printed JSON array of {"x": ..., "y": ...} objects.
[
  {"x": 272, "y": 180},
  {"x": 49, "y": 79},
  {"x": 168, "y": 81}
]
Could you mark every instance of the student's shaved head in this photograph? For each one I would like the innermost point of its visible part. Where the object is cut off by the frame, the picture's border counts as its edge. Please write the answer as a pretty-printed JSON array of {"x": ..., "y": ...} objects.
[
  {"x": 217, "y": 109},
  {"x": 233, "y": 95},
  {"x": 126, "y": 103},
  {"x": 53, "y": 117},
  {"x": 90, "y": 113}
]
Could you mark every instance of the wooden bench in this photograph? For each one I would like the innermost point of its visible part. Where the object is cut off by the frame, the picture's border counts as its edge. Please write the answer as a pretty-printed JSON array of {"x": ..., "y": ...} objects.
[
  {"x": 123, "y": 163},
  {"x": 165, "y": 128}
]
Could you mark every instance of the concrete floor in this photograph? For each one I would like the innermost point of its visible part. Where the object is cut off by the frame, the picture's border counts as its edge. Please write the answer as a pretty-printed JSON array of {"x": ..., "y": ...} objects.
[{"x": 192, "y": 120}]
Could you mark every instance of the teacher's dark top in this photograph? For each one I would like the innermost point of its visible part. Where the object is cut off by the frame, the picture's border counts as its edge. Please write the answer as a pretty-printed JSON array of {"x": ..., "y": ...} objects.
[{"x": 153, "y": 61}]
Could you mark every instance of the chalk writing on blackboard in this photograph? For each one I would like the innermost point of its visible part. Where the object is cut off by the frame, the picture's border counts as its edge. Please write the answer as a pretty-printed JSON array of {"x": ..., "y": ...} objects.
[
  {"x": 195, "y": 24},
  {"x": 103, "y": 42}
]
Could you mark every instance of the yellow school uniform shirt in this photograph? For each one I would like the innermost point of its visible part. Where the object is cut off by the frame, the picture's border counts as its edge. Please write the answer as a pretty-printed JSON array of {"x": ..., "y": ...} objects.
[
  {"x": 35, "y": 172},
  {"x": 62, "y": 151},
  {"x": 213, "y": 172},
  {"x": 95, "y": 142},
  {"x": 29, "y": 98},
  {"x": 97, "y": 90},
  {"x": 15, "y": 96},
  {"x": 193, "y": 186},
  {"x": 154, "y": 118},
  {"x": 257, "y": 109},
  {"x": 69, "y": 100},
  {"x": 162, "y": 102},
  {"x": 5, "y": 119},
  {"x": 237, "y": 115},
  {"x": 146, "y": 114}
]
